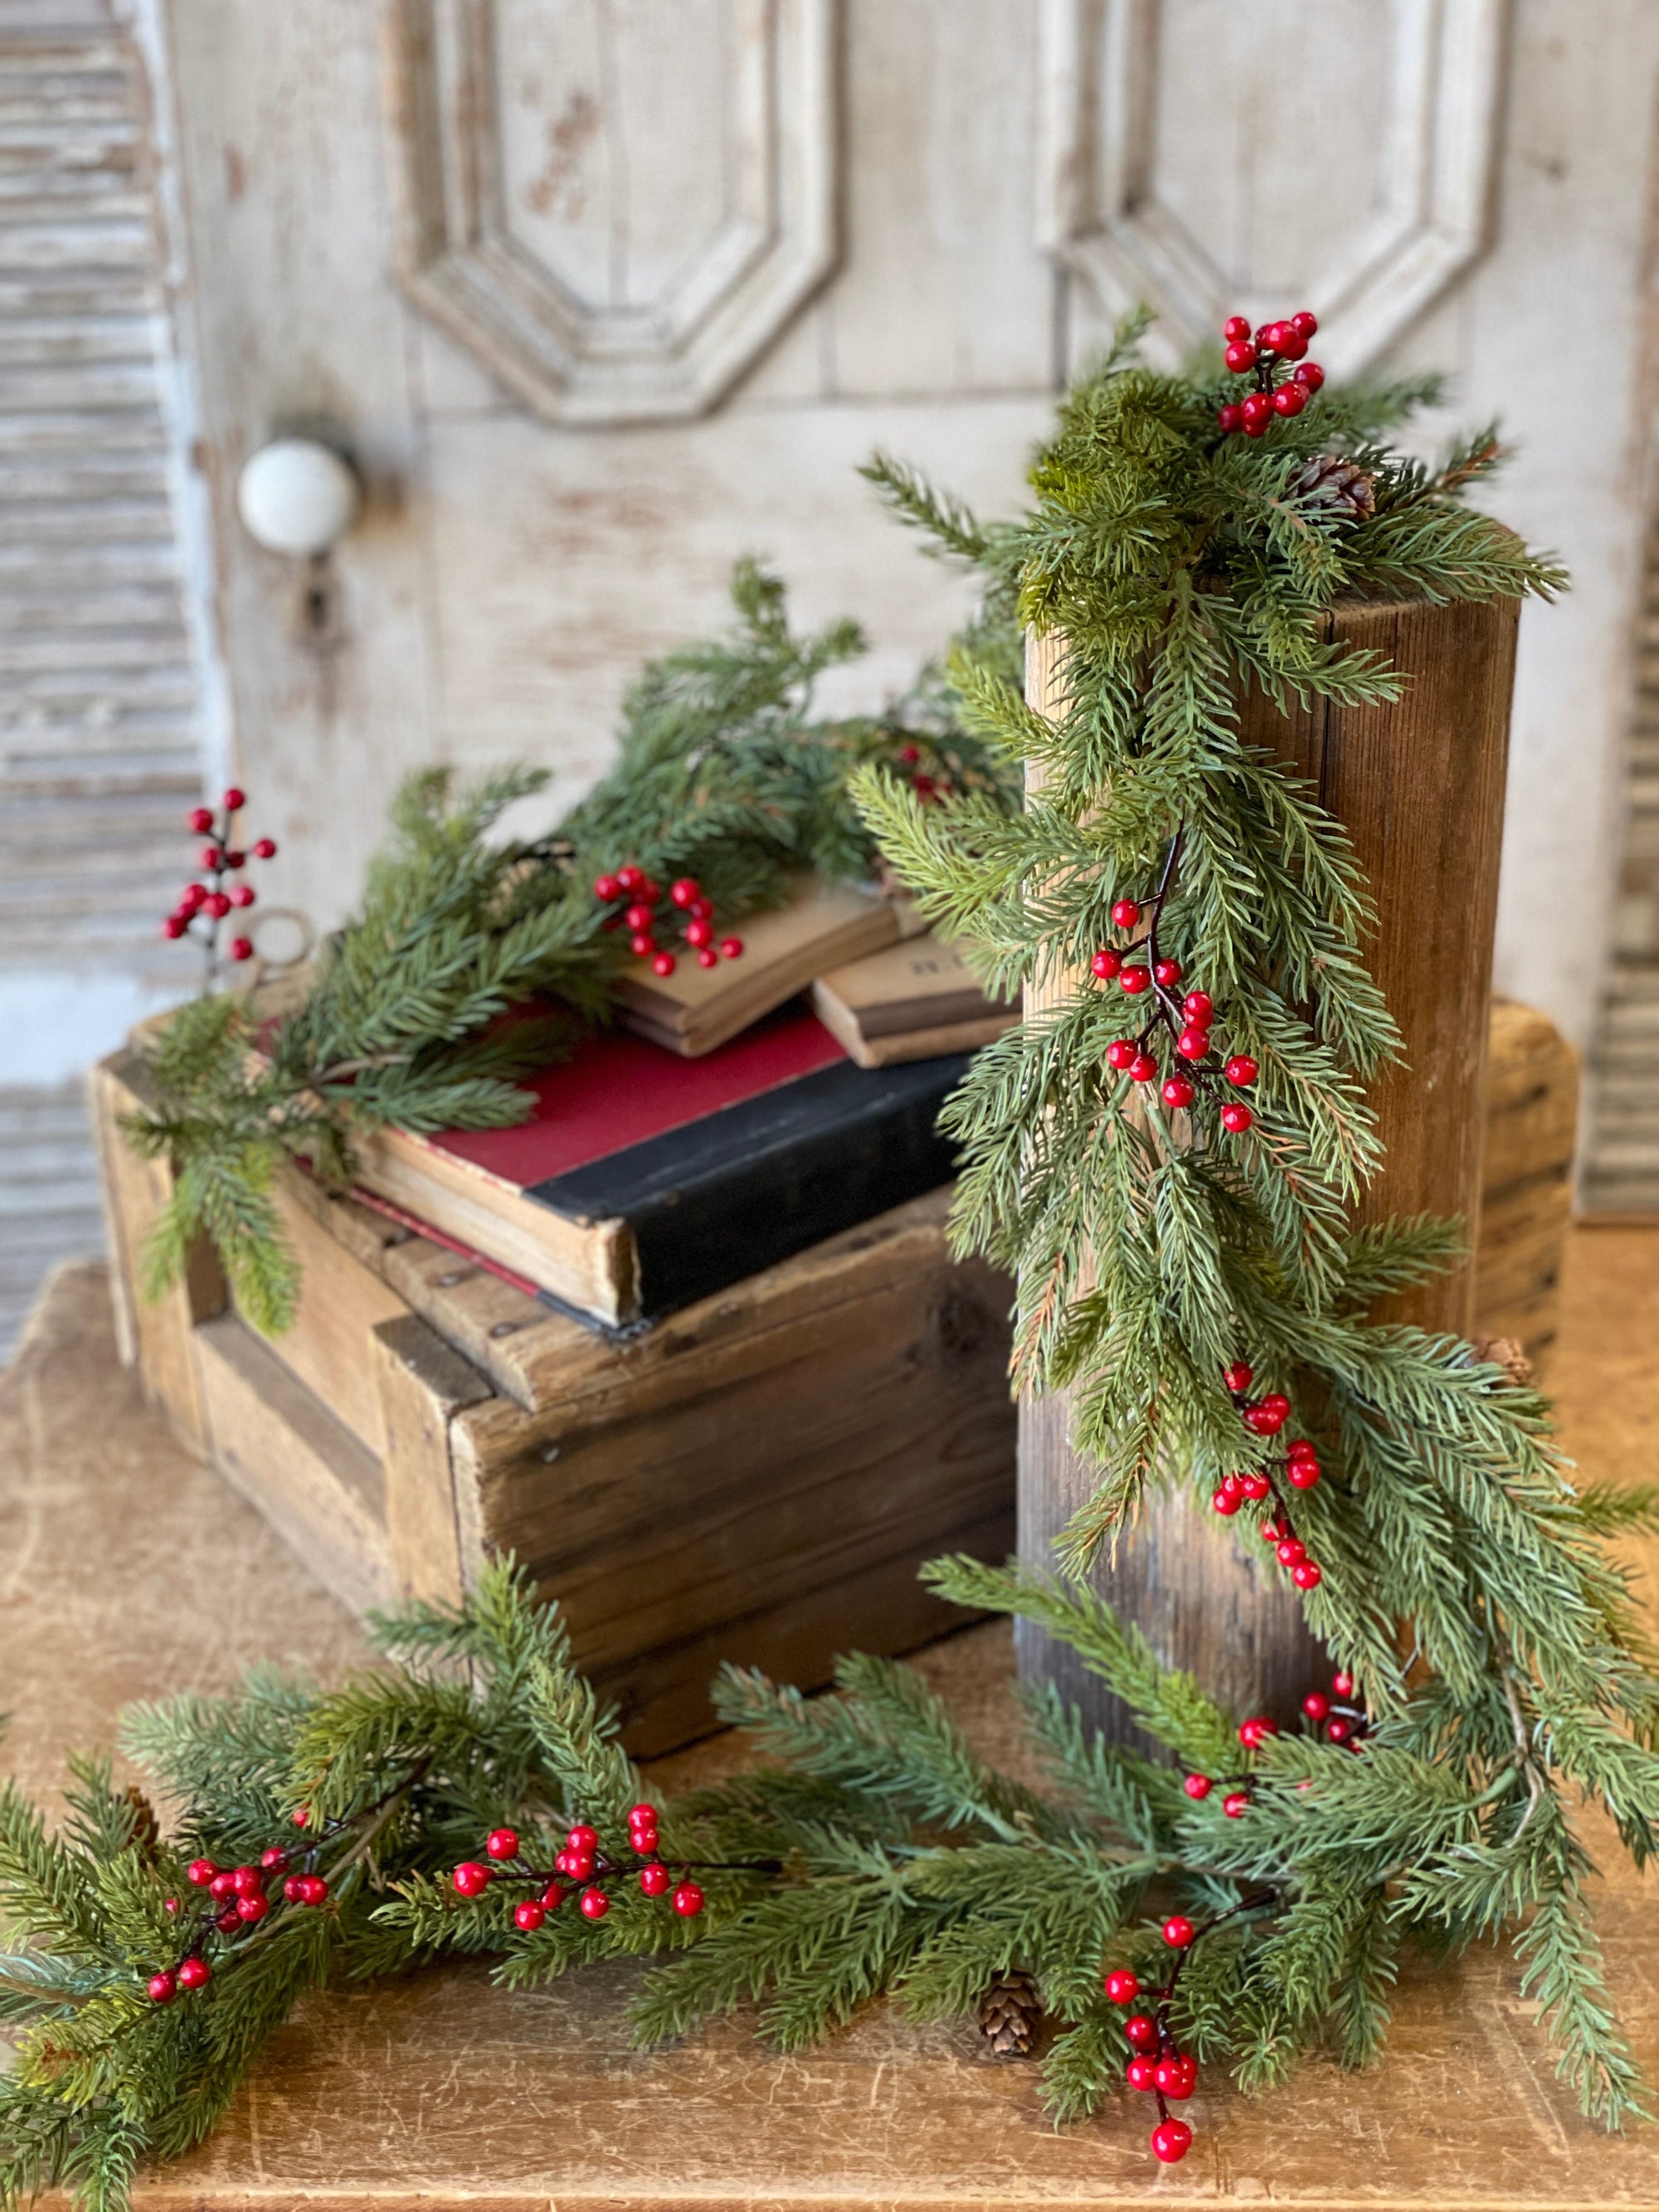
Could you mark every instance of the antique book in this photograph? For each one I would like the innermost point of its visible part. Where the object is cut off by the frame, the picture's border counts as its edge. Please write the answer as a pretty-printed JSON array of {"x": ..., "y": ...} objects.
[
  {"x": 821, "y": 926},
  {"x": 644, "y": 1181},
  {"x": 913, "y": 1000}
]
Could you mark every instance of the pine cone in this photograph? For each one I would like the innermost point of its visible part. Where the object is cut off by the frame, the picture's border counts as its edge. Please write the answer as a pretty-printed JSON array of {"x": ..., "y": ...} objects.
[
  {"x": 146, "y": 1828},
  {"x": 1010, "y": 2015},
  {"x": 1337, "y": 483},
  {"x": 1505, "y": 1351}
]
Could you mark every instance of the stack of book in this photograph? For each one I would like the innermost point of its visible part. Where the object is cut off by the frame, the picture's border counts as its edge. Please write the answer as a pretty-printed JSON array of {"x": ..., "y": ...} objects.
[{"x": 731, "y": 1123}]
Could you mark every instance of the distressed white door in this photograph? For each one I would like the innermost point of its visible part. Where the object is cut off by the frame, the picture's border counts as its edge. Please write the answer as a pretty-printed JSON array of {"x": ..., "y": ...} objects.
[{"x": 603, "y": 292}]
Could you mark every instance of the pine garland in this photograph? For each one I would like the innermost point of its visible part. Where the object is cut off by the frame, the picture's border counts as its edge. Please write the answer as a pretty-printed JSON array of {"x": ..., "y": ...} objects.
[
  {"x": 1260, "y": 1887},
  {"x": 723, "y": 773}
]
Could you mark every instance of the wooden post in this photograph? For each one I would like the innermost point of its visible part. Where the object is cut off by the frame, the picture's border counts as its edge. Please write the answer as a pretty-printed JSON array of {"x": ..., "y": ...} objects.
[{"x": 1419, "y": 787}]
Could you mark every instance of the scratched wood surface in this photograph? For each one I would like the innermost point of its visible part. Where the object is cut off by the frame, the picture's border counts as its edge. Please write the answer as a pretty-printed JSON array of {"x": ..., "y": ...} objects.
[
  {"x": 1418, "y": 786},
  {"x": 439, "y": 2093}
]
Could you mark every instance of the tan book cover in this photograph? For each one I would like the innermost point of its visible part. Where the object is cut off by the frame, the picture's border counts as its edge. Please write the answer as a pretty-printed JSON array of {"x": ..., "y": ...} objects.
[
  {"x": 916, "y": 1000},
  {"x": 821, "y": 926}
]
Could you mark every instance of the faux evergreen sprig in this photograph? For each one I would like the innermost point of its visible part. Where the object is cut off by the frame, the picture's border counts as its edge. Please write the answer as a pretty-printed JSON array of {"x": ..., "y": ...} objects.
[{"x": 723, "y": 774}]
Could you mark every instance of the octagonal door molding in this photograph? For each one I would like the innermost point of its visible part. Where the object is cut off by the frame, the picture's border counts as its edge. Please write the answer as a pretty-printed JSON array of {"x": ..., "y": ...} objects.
[
  {"x": 616, "y": 205},
  {"x": 1207, "y": 158}
]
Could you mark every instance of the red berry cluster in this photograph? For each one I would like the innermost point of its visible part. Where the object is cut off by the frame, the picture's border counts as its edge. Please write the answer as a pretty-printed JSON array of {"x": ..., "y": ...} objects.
[
  {"x": 203, "y": 905},
  {"x": 927, "y": 787},
  {"x": 1265, "y": 353},
  {"x": 1343, "y": 1723},
  {"x": 1299, "y": 1469},
  {"x": 1186, "y": 1021},
  {"x": 1157, "y": 2065},
  {"x": 238, "y": 1899},
  {"x": 644, "y": 912},
  {"x": 582, "y": 1867}
]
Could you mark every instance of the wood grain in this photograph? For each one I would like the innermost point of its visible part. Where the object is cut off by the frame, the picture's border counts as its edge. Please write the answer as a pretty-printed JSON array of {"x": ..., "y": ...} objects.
[
  {"x": 1418, "y": 787},
  {"x": 421, "y": 1384}
]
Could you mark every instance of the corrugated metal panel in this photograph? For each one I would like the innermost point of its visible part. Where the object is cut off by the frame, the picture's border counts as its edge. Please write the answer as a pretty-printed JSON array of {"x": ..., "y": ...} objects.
[
  {"x": 99, "y": 690},
  {"x": 1621, "y": 1167}
]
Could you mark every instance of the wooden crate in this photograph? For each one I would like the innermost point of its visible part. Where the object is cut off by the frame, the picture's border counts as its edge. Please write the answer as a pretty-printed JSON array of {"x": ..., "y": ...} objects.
[
  {"x": 757, "y": 1478},
  {"x": 1525, "y": 1193}
]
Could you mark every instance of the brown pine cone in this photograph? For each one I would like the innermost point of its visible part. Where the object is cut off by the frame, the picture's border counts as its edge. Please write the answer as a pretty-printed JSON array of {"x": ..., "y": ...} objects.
[
  {"x": 1338, "y": 482},
  {"x": 1505, "y": 1351},
  {"x": 146, "y": 1828},
  {"x": 1010, "y": 2015}
]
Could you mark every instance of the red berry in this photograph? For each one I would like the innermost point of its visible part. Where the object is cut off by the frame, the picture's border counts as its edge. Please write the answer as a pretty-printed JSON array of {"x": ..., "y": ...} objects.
[
  {"x": 1302, "y": 1448},
  {"x": 163, "y": 1986},
  {"x": 240, "y": 948},
  {"x": 171, "y": 1903},
  {"x": 1235, "y": 1120},
  {"x": 211, "y": 857},
  {"x": 529, "y": 1915},
  {"x": 1229, "y": 419},
  {"x": 1240, "y": 356},
  {"x": 301, "y": 1816},
  {"x": 1255, "y": 1485},
  {"x": 1198, "y": 1786},
  {"x": 294, "y": 1888},
  {"x": 702, "y": 910},
  {"x": 1236, "y": 326},
  {"x": 1198, "y": 1008},
  {"x": 1178, "y": 1092},
  {"x": 1142, "y": 1068},
  {"x": 1135, "y": 979},
  {"x": 1268, "y": 1415},
  {"x": 654, "y": 1879},
  {"x": 1171, "y": 2140},
  {"x": 502, "y": 1842},
  {"x": 643, "y": 944},
  {"x": 1106, "y": 963},
  {"x": 687, "y": 888},
  {"x": 1291, "y": 1552},
  {"x": 909, "y": 755},
  {"x": 1307, "y": 1574},
  {"x": 1176, "y": 2075},
  {"x": 1126, "y": 914},
  {"x": 1141, "y": 2073},
  {"x": 1342, "y": 1685},
  {"x": 264, "y": 848},
  {"x": 578, "y": 1865},
  {"x": 1120, "y": 1053},
  {"x": 1339, "y": 1731},
  {"x": 1293, "y": 347},
  {"x": 1236, "y": 1804},
  {"x": 582, "y": 1838},
  {"x": 1251, "y": 1732},
  {"x": 1310, "y": 376},
  {"x": 1140, "y": 2032},
  {"x": 923, "y": 786},
  {"x": 687, "y": 1900},
  {"x": 1303, "y": 324},
  {"x": 1121, "y": 1986},
  {"x": 252, "y": 1908},
  {"x": 1193, "y": 1044},
  {"x": 228, "y": 1921},
  {"x": 644, "y": 1841},
  {"x": 650, "y": 892},
  {"x": 221, "y": 1883},
  {"x": 1225, "y": 1501},
  {"x": 1276, "y": 335},
  {"x": 174, "y": 925},
  {"x": 242, "y": 895},
  {"x": 1178, "y": 1931},
  {"x": 630, "y": 877},
  {"x": 471, "y": 1879},
  {"x": 1233, "y": 1484},
  {"x": 639, "y": 916},
  {"x": 731, "y": 948},
  {"x": 313, "y": 1890},
  {"x": 1167, "y": 973},
  {"x": 234, "y": 798},
  {"x": 1289, "y": 399},
  {"x": 664, "y": 964},
  {"x": 200, "y": 820},
  {"x": 1242, "y": 1070},
  {"x": 699, "y": 932},
  {"x": 216, "y": 904},
  {"x": 594, "y": 1904},
  {"x": 552, "y": 1897},
  {"x": 606, "y": 889},
  {"x": 1302, "y": 1474},
  {"x": 1239, "y": 1377},
  {"x": 247, "y": 1882},
  {"x": 1271, "y": 1530},
  {"x": 642, "y": 1816},
  {"x": 1316, "y": 1706},
  {"x": 1255, "y": 407},
  {"x": 707, "y": 957},
  {"x": 195, "y": 1974},
  {"x": 236, "y": 860}
]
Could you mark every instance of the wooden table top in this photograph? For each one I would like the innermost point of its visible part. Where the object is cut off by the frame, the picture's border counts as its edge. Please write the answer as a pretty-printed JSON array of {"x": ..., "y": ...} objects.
[{"x": 127, "y": 1570}]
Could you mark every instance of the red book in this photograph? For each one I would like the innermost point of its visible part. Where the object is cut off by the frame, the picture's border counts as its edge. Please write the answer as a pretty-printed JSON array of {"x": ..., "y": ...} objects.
[{"x": 644, "y": 1181}]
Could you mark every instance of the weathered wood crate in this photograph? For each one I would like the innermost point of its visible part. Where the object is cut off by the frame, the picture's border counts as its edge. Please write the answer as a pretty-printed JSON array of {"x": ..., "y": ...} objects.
[{"x": 756, "y": 1479}]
